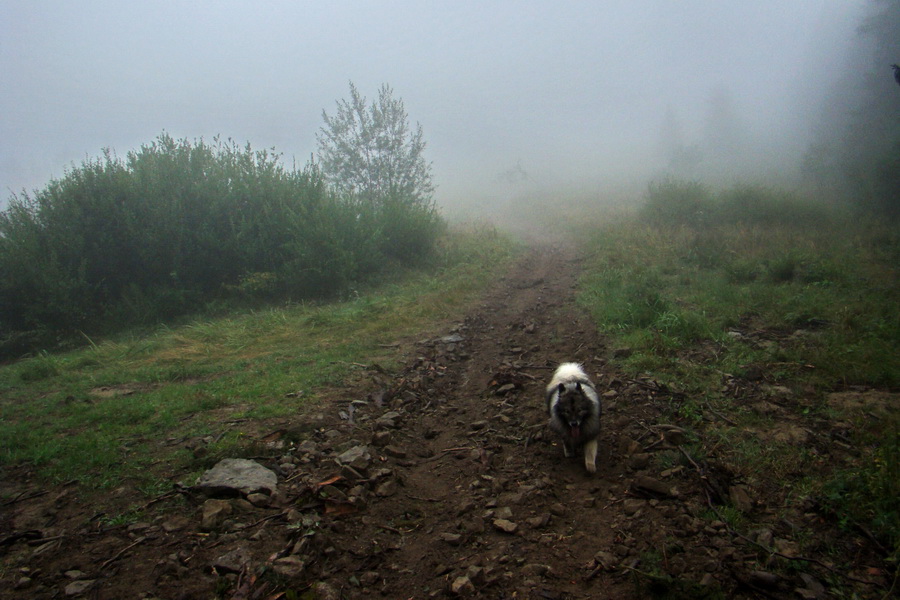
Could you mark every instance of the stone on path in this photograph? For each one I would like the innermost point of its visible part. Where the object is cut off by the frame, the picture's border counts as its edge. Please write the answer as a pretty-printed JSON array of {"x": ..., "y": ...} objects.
[{"x": 237, "y": 476}]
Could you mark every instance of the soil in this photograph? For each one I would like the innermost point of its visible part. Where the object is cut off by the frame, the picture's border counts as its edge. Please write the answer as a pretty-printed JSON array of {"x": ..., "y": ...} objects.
[{"x": 457, "y": 489}]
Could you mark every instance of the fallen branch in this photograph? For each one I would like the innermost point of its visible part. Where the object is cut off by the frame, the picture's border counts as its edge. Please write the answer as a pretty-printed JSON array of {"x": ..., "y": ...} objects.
[
  {"x": 123, "y": 551},
  {"x": 22, "y": 497}
]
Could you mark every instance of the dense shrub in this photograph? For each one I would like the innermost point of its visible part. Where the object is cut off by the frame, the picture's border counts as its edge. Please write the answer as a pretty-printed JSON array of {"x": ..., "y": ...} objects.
[
  {"x": 177, "y": 224},
  {"x": 673, "y": 202}
]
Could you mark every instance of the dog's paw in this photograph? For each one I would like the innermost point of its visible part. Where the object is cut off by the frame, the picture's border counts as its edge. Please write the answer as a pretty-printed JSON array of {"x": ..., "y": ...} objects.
[{"x": 591, "y": 467}]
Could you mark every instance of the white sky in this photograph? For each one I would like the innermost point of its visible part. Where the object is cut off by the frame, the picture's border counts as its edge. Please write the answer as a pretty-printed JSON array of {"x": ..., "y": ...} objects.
[{"x": 570, "y": 89}]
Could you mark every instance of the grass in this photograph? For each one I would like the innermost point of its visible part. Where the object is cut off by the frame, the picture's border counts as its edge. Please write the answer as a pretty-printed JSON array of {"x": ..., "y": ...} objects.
[
  {"x": 123, "y": 410},
  {"x": 727, "y": 296}
]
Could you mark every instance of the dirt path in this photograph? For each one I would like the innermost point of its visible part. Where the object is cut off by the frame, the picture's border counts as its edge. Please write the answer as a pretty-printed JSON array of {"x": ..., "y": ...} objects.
[{"x": 456, "y": 488}]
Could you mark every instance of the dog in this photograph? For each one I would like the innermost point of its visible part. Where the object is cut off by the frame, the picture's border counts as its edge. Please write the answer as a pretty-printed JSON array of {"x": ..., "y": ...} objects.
[{"x": 574, "y": 409}]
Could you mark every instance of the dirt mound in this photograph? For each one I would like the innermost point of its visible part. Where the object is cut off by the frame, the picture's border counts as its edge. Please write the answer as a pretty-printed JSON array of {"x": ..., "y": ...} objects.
[{"x": 440, "y": 480}]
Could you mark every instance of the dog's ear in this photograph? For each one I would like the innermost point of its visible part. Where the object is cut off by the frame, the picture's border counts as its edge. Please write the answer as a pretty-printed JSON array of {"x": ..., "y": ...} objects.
[{"x": 561, "y": 389}]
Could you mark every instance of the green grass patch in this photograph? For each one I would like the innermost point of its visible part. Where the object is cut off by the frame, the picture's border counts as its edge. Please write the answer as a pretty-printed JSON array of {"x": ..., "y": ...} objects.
[
  {"x": 725, "y": 294},
  {"x": 124, "y": 409}
]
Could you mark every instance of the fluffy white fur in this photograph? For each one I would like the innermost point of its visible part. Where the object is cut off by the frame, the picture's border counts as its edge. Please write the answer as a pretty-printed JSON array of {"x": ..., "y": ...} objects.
[{"x": 570, "y": 380}]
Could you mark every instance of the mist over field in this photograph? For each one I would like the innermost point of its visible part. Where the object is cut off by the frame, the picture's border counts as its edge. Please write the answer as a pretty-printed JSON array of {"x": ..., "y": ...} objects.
[{"x": 515, "y": 98}]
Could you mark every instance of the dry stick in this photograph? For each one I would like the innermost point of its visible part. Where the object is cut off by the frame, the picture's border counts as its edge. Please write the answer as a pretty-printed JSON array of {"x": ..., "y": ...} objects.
[
  {"x": 168, "y": 494},
  {"x": 721, "y": 416},
  {"x": 123, "y": 551},
  {"x": 22, "y": 497},
  {"x": 765, "y": 548}
]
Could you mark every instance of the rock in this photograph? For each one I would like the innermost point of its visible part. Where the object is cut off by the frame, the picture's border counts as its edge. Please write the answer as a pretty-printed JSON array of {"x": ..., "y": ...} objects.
[
  {"x": 535, "y": 569},
  {"x": 454, "y": 539},
  {"x": 675, "y": 435},
  {"x": 389, "y": 420},
  {"x": 763, "y": 537},
  {"x": 232, "y": 562},
  {"x": 453, "y": 338},
  {"x": 812, "y": 584},
  {"x": 764, "y": 579},
  {"x": 539, "y": 521},
  {"x": 381, "y": 438},
  {"x": 257, "y": 499},
  {"x": 353, "y": 454},
  {"x": 74, "y": 574},
  {"x": 505, "y": 525},
  {"x": 325, "y": 591},
  {"x": 814, "y": 590},
  {"x": 630, "y": 447},
  {"x": 214, "y": 513},
  {"x": 350, "y": 474},
  {"x": 787, "y": 547},
  {"x": 369, "y": 578},
  {"x": 386, "y": 488},
  {"x": 175, "y": 523},
  {"x": 475, "y": 525},
  {"x": 476, "y": 575},
  {"x": 558, "y": 509},
  {"x": 790, "y": 434},
  {"x": 740, "y": 498},
  {"x": 504, "y": 512},
  {"x": 77, "y": 588},
  {"x": 633, "y": 507},
  {"x": 233, "y": 476},
  {"x": 307, "y": 447},
  {"x": 649, "y": 487},
  {"x": 605, "y": 559},
  {"x": 673, "y": 471},
  {"x": 765, "y": 408},
  {"x": 637, "y": 462},
  {"x": 395, "y": 452},
  {"x": 462, "y": 586},
  {"x": 289, "y": 566}
]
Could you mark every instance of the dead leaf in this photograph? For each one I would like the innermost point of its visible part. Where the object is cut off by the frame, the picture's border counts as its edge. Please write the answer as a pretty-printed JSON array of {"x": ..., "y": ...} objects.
[{"x": 329, "y": 481}]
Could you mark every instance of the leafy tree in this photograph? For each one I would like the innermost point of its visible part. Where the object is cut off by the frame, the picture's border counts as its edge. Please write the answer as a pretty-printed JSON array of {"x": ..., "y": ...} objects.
[
  {"x": 858, "y": 148},
  {"x": 371, "y": 157},
  {"x": 370, "y": 151}
]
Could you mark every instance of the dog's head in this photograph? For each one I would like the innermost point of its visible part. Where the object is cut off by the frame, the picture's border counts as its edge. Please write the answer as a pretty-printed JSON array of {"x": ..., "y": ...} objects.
[{"x": 573, "y": 407}]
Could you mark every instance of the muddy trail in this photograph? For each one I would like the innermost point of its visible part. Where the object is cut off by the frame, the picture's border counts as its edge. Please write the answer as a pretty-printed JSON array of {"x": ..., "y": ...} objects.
[{"x": 438, "y": 480}]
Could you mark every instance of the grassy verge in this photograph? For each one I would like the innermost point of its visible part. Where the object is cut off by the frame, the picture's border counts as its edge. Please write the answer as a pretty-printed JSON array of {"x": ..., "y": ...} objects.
[
  {"x": 763, "y": 310},
  {"x": 139, "y": 411}
]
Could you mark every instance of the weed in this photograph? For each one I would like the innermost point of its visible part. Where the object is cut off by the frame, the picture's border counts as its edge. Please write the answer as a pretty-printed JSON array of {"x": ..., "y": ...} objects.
[{"x": 43, "y": 366}]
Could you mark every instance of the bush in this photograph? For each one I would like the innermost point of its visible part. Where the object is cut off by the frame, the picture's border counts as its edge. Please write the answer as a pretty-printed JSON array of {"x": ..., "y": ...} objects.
[
  {"x": 672, "y": 202},
  {"x": 180, "y": 224}
]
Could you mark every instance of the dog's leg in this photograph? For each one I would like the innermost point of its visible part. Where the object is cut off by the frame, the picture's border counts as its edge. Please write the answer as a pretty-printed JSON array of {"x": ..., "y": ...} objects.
[
  {"x": 590, "y": 456},
  {"x": 568, "y": 448}
]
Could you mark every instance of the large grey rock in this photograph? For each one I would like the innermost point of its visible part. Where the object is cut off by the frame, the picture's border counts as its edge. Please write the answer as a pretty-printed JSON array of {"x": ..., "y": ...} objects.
[{"x": 237, "y": 476}]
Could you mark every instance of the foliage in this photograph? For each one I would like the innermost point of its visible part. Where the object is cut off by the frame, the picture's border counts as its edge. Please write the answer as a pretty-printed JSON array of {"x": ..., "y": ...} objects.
[
  {"x": 177, "y": 225},
  {"x": 867, "y": 494},
  {"x": 754, "y": 256},
  {"x": 730, "y": 295},
  {"x": 101, "y": 414},
  {"x": 858, "y": 148},
  {"x": 370, "y": 154},
  {"x": 676, "y": 202}
]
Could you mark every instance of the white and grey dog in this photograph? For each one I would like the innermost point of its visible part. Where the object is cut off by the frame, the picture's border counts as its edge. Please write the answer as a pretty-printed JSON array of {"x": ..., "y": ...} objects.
[{"x": 574, "y": 409}]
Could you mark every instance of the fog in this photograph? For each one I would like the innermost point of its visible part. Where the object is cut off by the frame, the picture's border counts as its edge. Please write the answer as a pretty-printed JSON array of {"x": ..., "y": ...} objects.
[{"x": 513, "y": 97}]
